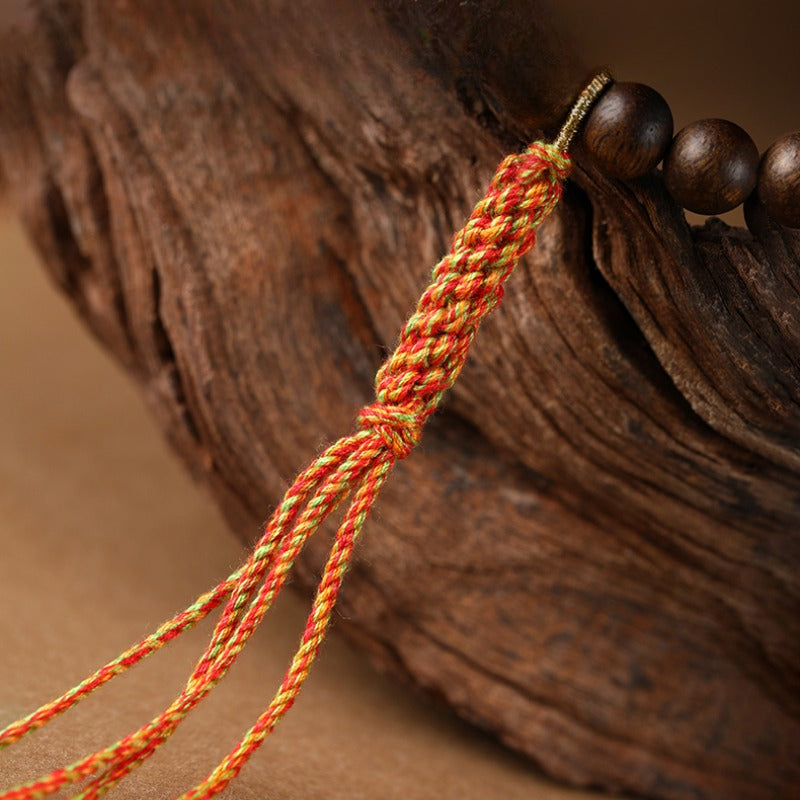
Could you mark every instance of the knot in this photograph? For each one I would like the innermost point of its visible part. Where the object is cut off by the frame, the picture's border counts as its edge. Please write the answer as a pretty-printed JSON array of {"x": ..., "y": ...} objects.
[
  {"x": 399, "y": 427},
  {"x": 555, "y": 164}
]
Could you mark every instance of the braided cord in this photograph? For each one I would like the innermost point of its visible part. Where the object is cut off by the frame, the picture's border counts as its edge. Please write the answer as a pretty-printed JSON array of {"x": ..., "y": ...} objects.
[{"x": 466, "y": 285}]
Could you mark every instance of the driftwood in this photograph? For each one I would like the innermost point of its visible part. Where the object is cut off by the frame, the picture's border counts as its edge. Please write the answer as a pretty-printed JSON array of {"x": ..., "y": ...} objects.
[{"x": 594, "y": 554}]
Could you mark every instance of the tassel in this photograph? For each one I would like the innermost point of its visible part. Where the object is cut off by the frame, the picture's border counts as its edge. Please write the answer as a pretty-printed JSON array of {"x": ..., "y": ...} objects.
[{"x": 467, "y": 284}]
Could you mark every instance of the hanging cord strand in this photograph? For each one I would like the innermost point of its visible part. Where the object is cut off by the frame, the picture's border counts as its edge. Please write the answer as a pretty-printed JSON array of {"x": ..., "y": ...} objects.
[
  {"x": 182, "y": 622},
  {"x": 466, "y": 285},
  {"x": 119, "y": 760},
  {"x": 316, "y": 626},
  {"x": 151, "y": 735}
]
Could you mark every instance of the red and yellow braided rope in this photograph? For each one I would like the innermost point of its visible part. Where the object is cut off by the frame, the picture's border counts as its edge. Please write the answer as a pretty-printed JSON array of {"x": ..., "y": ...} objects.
[{"x": 467, "y": 284}]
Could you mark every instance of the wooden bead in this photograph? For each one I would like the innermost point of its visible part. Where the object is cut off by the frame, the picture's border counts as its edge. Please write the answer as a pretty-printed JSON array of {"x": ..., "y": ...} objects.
[
  {"x": 779, "y": 180},
  {"x": 711, "y": 166},
  {"x": 628, "y": 130}
]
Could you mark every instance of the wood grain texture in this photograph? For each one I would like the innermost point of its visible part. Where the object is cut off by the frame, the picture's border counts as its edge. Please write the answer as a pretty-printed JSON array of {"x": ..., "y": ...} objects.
[{"x": 594, "y": 553}]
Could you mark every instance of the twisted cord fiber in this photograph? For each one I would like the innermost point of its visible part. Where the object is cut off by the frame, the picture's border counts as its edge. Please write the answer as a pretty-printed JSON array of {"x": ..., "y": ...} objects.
[
  {"x": 241, "y": 579},
  {"x": 224, "y": 648},
  {"x": 466, "y": 285}
]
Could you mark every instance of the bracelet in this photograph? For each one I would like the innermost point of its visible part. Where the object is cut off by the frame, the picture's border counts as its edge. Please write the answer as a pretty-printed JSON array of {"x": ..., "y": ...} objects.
[{"x": 709, "y": 167}]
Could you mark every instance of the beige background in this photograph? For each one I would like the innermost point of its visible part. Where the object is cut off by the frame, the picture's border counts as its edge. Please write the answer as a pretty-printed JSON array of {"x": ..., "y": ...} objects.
[{"x": 102, "y": 536}]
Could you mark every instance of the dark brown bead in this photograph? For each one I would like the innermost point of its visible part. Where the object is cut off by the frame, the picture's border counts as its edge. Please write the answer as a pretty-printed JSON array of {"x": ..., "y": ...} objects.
[
  {"x": 628, "y": 130},
  {"x": 711, "y": 166},
  {"x": 779, "y": 180}
]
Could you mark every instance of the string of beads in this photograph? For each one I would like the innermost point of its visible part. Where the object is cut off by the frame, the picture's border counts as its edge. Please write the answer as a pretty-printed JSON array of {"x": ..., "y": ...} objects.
[{"x": 709, "y": 167}]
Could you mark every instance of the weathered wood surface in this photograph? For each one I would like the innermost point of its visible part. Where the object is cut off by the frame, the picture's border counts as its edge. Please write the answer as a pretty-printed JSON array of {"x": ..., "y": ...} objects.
[{"x": 594, "y": 554}]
